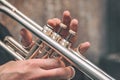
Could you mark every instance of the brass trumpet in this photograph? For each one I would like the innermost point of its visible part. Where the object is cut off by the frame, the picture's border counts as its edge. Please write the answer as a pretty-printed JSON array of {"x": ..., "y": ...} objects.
[{"x": 48, "y": 41}]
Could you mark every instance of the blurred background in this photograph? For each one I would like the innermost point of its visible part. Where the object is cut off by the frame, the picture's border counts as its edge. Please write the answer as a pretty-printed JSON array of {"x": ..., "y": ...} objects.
[{"x": 99, "y": 23}]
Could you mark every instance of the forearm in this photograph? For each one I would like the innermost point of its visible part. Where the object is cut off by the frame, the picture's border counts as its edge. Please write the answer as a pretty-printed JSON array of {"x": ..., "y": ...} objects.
[
  {"x": 6, "y": 74},
  {"x": 10, "y": 76}
]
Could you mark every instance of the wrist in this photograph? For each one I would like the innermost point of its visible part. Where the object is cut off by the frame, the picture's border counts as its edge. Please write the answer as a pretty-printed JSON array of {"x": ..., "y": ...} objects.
[{"x": 1, "y": 72}]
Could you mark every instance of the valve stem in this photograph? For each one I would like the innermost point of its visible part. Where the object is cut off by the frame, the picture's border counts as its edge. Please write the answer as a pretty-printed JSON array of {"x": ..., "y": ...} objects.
[
  {"x": 71, "y": 34},
  {"x": 62, "y": 26}
]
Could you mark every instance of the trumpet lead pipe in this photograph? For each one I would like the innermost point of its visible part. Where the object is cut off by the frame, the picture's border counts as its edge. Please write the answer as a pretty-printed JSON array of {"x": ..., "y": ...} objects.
[{"x": 7, "y": 4}]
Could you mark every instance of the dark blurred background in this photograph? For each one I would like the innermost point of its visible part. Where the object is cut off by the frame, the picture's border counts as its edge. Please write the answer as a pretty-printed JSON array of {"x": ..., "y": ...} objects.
[{"x": 99, "y": 23}]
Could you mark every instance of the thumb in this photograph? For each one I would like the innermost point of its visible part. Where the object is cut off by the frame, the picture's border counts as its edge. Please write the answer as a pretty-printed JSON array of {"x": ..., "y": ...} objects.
[{"x": 26, "y": 37}]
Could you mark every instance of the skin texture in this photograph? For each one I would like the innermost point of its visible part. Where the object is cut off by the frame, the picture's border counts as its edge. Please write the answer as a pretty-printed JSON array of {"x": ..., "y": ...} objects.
[
  {"x": 43, "y": 69},
  {"x": 35, "y": 69}
]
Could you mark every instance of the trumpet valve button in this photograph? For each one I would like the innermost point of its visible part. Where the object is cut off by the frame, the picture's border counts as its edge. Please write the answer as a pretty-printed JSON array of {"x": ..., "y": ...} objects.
[
  {"x": 71, "y": 34},
  {"x": 63, "y": 26}
]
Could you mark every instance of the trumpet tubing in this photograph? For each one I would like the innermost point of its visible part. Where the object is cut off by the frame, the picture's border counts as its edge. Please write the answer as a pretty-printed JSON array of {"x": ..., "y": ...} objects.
[{"x": 49, "y": 44}]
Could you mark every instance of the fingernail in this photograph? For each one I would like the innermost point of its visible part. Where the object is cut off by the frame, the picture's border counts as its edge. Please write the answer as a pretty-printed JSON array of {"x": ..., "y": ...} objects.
[{"x": 73, "y": 73}]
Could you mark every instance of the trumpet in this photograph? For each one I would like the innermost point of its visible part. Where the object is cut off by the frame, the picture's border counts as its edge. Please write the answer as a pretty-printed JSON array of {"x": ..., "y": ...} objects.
[{"x": 49, "y": 44}]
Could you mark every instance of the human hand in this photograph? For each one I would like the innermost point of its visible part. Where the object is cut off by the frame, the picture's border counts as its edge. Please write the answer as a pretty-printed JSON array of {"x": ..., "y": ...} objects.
[
  {"x": 36, "y": 69},
  {"x": 55, "y": 23},
  {"x": 72, "y": 24}
]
